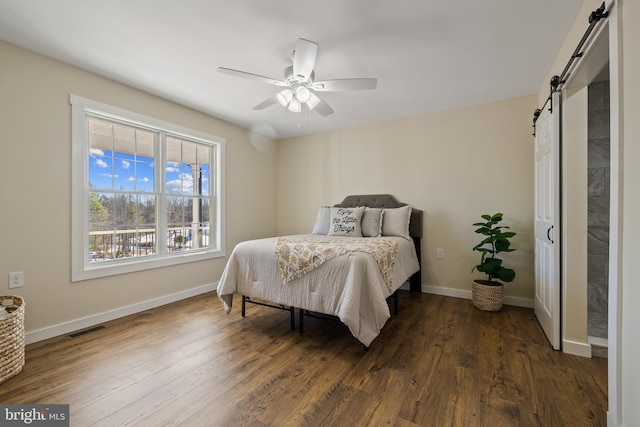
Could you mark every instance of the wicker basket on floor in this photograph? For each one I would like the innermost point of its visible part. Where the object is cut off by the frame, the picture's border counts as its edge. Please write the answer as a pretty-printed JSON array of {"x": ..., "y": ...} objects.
[
  {"x": 11, "y": 336},
  {"x": 487, "y": 297}
]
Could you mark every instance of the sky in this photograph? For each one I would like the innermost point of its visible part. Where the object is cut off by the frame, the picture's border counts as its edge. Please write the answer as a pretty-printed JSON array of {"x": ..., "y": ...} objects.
[{"x": 122, "y": 171}]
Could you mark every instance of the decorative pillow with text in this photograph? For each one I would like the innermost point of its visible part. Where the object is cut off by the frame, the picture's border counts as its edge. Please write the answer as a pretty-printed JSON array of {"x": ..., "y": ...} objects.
[{"x": 346, "y": 222}]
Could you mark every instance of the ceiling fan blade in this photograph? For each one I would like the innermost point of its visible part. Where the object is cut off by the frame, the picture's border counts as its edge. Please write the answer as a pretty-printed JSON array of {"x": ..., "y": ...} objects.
[
  {"x": 266, "y": 103},
  {"x": 251, "y": 76},
  {"x": 345, "y": 84},
  {"x": 323, "y": 108},
  {"x": 304, "y": 58}
]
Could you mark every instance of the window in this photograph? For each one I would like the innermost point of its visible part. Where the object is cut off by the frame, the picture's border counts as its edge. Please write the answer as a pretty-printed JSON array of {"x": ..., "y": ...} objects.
[{"x": 145, "y": 193}]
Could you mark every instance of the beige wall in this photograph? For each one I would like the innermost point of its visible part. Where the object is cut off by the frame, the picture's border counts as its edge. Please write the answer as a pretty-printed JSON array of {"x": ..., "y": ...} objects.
[
  {"x": 35, "y": 177},
  {"x": 454, "y": 165}
]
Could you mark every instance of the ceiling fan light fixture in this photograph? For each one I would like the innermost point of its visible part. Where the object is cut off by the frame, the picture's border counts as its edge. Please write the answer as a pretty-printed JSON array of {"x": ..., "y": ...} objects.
[
  {"x": 302, "y": 93},
  {"x": 295, "y": 106},
  {"x": 285, "y": 97}
]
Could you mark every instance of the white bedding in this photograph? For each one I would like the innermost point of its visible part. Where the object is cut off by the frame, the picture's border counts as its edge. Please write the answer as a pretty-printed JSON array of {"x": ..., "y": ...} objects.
[{"x": 349, "y": 286}]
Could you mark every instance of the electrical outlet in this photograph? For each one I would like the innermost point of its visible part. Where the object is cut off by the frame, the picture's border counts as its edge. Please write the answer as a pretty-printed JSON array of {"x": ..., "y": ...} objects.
[
  {"x": 439, "y": 253},
  {"x": 16, "y": 280}
]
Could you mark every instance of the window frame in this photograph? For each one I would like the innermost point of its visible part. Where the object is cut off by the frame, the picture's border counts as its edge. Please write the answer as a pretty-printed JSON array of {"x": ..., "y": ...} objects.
[{"x": 81, "y": 267}]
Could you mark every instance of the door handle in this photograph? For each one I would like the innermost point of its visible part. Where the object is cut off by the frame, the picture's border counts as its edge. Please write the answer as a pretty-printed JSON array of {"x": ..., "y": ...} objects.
[{"x": 549, "y": 234}]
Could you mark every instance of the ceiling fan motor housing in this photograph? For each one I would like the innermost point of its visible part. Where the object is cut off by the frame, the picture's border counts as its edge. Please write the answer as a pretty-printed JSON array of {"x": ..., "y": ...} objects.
[{"x": 292, "y": 79}]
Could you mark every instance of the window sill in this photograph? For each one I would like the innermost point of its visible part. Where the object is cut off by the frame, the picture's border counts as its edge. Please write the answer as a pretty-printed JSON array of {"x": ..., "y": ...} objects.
[{"x": 97, "y": 270}]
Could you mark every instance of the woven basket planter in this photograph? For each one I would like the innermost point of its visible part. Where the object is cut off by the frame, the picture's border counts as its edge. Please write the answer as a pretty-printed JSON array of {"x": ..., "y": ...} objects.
[
  {"x": 487, "y": 297},
  {"x": 11, "y": 337}
]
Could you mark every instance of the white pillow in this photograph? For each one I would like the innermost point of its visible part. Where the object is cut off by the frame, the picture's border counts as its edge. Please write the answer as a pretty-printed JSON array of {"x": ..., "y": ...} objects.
[
  {"x": 322, "y": 221},
  {"x": 346, "y": 222},
  {"x": 395, "y": 222},
  {"x": 372, "y": 222}
]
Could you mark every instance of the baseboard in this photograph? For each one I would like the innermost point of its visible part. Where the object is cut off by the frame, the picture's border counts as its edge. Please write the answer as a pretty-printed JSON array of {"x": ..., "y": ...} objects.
[
  {"x": 576, "y": 348},
  {"x": 466, "y": 294},
  {"x": 85, "y": 322},
  {"x": 447, "y": 292},
  {"x": 597, "y": 341}
]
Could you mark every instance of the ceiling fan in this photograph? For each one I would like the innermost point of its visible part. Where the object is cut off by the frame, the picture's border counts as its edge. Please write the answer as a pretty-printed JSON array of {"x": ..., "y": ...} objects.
[{"x": 300, "y": 86}]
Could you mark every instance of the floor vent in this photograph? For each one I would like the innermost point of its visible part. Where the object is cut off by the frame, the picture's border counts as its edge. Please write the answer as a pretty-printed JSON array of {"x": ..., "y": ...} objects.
[{"x": 85, "y": 331}]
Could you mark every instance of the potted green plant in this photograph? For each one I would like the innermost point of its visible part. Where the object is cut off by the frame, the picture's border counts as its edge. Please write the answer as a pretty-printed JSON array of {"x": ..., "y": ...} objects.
[{"x": 487, "y": 294}]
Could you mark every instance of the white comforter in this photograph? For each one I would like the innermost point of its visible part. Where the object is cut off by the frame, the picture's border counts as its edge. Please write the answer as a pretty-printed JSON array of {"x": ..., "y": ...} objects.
[{"x": 349, "y": 286}]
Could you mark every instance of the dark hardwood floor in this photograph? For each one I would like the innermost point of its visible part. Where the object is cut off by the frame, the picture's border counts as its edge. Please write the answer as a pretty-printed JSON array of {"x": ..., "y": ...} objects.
[{"x": 439, "y": 362}]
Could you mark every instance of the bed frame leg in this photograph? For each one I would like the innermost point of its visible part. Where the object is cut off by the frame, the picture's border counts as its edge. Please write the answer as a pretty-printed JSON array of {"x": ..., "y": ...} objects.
[
  {"x": 244, "y": 305},
  {"x": 395, "y": 303},
  {"x": 301, "y": 321}
]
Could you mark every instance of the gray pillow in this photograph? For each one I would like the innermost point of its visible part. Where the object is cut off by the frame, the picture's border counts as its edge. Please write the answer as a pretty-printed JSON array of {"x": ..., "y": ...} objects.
[
  {"x": 322, "y": 221},
  {"x": 395, "y": 222},
  {"x": 372, "y": 222}
]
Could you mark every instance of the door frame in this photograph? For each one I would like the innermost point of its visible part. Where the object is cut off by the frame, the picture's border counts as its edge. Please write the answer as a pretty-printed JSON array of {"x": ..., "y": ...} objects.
[{"x": 591, "y": 51}]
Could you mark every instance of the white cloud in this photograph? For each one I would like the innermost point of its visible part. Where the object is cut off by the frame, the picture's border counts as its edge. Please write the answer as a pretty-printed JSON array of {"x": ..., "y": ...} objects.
[
  {"x": 180, "y": 186},
  {"x": 133, "y": 178},
  {"x": 101, "y": 163},
  {"x": 96, "y": 152},
  {"x": 173, "y": 167},
  {"x": 126, "y": 164}
]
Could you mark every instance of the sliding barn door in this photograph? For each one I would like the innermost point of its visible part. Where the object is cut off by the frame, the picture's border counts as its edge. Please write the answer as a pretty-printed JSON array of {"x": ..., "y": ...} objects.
[{"x": 547, "y": 221}]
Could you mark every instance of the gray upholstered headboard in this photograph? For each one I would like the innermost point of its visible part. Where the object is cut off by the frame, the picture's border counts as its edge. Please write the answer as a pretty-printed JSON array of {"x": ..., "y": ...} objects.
[
  {"x": 385, "y": 201},
  {"x": 415, "y": 223}
]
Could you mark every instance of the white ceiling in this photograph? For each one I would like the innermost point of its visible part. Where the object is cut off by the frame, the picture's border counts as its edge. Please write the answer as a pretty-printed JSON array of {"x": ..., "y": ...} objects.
[{"x": 426, "y": 55}]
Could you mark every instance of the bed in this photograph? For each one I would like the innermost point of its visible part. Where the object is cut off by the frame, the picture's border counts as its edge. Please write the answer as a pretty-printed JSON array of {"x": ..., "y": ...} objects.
[{"x": 341, "y": 269}]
